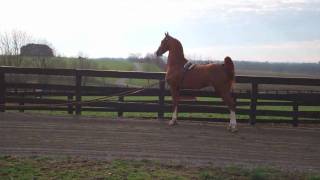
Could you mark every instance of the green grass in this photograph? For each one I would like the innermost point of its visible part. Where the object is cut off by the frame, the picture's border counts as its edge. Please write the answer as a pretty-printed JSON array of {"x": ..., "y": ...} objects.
[
  {"x": 124, "y": 65},
  {"x": 74, "y": 63},
  {"x": 141, "y": 98},
  {"x": 112, "y": 65},
  {"x": 83, "y": 113},
  {"x": 149, "y": 67},
  {"x": 143, "y": 83},
  {"x": 181, "y": 114},
  {"x": 115, "y": 65},
  {"x": 12, "y": 167},
  {"x": 127, "y": 66},
  {"x": 71, "y": 63}
]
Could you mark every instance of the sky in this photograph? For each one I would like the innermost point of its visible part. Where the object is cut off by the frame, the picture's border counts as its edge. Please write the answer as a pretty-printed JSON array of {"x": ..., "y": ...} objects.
[{"x": 255, "y": 30}]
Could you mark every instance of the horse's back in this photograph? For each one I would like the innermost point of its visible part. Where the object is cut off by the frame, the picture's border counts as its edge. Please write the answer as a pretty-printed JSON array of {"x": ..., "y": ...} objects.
[
  {"x": 210, "y": 70},
  {"x": 203, "y": 75}
]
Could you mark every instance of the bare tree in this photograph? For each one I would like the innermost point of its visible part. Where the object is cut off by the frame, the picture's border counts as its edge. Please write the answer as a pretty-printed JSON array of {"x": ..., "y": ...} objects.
[
  {"x": 134, "y": 57},
  {"x": 19, "y": 39},
  {"x": 10, "y": 44},
  {"x": 5, "y": 51},
  {"x": 152, "y": 58}
]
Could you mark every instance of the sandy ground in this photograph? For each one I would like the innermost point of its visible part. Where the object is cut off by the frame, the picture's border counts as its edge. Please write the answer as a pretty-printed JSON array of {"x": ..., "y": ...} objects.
[{"x": 189, "y": 143}]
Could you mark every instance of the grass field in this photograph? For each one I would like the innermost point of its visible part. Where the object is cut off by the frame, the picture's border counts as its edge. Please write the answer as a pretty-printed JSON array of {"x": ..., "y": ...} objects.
[
  {"x": 12, "y": 167},
  {"x": 75, "y": 63},
  {"x": 124, "y": 65},
  {"x": 147, "y": 67},
  {"x": 181, "y": 114},
  {"x": 115, "y": 65},
  {"x": 72, "y": 168}
]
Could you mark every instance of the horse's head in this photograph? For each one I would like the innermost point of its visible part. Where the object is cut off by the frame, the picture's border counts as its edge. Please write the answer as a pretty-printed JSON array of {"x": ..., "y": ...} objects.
[{"x": 164, "y": 46}]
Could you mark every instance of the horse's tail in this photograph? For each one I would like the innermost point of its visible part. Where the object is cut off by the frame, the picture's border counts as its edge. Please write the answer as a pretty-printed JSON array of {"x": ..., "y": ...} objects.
[{"x": 229, "y": 68}]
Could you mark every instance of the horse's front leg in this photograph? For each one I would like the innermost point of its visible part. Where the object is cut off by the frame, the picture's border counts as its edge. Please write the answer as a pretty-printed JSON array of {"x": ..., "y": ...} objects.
[
  {"x": 232, "y": 107},
  {"x": 175, "y": 101}
]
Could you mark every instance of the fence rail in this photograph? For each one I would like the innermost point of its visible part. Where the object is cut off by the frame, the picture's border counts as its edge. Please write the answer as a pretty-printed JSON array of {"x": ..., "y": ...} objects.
[{"x": 24, "y": 96}]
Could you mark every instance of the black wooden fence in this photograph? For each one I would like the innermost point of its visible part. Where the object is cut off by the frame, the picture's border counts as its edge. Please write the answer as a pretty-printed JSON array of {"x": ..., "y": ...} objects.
[{"x": 25, "y": 96}]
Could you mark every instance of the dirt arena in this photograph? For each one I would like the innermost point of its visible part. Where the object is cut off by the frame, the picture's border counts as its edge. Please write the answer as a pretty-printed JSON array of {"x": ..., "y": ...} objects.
[{"x": 189, "y": 143}]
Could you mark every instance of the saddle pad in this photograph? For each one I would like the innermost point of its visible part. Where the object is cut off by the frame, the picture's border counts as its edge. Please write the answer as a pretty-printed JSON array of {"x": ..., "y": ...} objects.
[{"x": 188, "y": 66}]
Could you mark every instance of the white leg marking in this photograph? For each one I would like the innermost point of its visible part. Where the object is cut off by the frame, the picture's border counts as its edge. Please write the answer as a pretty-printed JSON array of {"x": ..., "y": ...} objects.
[
  {"x": 174, "y": 117},
  {"x": 233, "y": 121}
]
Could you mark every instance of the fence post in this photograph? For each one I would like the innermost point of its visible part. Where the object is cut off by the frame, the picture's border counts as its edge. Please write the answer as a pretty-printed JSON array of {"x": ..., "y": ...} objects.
[
  {"x": 70, "y": 106},
  {"x": 295, "y": 117},
  {"x": 162, "y": 87},
  {"x": 120, "y": 113},
  {"x": 253, "y": 103},
  {"x": 78, "y": 92},
  {"x": 2, "y": 91}
]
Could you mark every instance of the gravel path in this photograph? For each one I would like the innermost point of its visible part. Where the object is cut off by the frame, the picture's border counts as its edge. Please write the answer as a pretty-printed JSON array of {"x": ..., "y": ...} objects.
[{"x": 194, "y": 144}]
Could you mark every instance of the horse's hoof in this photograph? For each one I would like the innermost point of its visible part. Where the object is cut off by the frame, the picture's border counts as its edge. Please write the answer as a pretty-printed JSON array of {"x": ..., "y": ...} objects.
[
  {"x": 173, "y": 122},
  {"x": 232, "y": 129}
]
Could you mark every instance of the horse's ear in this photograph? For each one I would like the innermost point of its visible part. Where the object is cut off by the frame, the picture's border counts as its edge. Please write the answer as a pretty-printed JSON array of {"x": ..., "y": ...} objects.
[{"x": 167, "y": 34}]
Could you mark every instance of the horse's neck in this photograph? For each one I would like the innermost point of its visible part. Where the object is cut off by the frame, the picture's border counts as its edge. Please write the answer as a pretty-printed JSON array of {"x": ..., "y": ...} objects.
[{"x": 176, "y": 57}]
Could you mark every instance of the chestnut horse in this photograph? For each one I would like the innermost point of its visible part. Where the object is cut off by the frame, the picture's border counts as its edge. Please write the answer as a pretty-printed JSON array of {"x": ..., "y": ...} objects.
[{"x": 220, "y": 76}]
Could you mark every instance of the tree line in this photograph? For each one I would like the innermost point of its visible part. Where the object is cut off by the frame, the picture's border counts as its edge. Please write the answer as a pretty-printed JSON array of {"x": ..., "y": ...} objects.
[{"x": 11, "y": 54}]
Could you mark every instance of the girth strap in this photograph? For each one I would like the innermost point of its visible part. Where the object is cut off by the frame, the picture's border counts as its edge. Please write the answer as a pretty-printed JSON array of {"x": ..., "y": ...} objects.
[{"x": 187, "y": 67}]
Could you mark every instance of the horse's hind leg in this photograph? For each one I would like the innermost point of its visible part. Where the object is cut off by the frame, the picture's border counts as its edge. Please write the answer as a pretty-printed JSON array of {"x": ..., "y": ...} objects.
[{"x": 228, "y": 100}]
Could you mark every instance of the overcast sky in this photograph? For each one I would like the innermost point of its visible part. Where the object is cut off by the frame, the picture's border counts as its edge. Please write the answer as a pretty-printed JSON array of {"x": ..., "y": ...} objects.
[{"x": 261, "y": 30}]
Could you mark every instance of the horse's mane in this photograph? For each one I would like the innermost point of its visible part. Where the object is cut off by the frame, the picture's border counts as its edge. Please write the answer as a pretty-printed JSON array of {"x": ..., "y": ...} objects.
[{"x": 178, "y": 46}]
